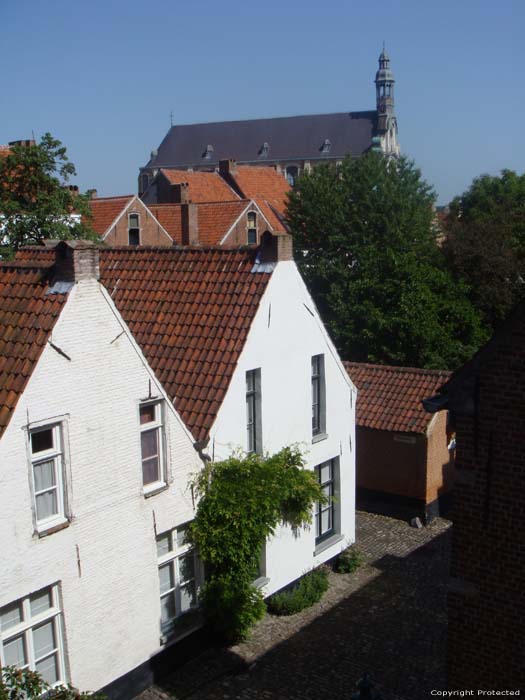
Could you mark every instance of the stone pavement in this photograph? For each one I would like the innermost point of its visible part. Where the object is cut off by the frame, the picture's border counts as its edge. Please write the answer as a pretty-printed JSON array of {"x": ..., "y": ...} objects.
[{"x": 388, "y": 618}]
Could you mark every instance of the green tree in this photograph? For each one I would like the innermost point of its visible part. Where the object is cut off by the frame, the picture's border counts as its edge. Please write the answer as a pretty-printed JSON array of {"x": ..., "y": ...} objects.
[
  {"x": 24, "y": 684},
  {"x": 372, "y": 264},
  {"x": 242, "y": 500},
  {"x": 485, "y": 243},
  {"x": 35, "y": 202}
]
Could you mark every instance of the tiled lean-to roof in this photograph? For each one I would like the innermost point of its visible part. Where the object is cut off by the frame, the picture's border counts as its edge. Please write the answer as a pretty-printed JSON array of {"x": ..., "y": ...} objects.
[
  {"x": 202, "y": 186},
  {"x": 389, "y": 398},
  {"x": 105, "y": 210},
  {"x": 28, "y": 313},
  {"x": 190, "y": 310}
]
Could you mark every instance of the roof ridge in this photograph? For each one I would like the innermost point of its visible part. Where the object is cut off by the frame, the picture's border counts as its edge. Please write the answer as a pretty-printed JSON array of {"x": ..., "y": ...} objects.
[
  {"x": 396, "y": 368},
  {"x": 286, "y": 116},
  {"x": 115, "y": 196}
]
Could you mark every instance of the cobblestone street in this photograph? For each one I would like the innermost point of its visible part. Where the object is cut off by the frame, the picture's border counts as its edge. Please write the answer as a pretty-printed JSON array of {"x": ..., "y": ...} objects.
[{"x": 387, "y": 618}]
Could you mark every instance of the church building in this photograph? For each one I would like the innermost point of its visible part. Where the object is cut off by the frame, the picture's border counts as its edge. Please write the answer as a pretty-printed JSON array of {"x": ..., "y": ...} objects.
[{"x": 291, "y": 144}]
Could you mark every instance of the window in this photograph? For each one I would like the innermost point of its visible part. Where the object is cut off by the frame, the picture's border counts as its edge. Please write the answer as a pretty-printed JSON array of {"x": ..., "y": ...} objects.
[
  {"x": 326, "y": 515},
  {"x": 252, "y": 228},
  {"x": 292, "y": 172},
  {"x": 47, "y": 472},
  {"x": 31, "y": 635},
  {"x": 179, "y": 576},
  {"x": 152, "y": 443},
  {"x": 133, "y": 229},
  {"x": 144, "y": 178},
  {"x": 318, "y": 396},
  {"x": 253, "y": 411}
]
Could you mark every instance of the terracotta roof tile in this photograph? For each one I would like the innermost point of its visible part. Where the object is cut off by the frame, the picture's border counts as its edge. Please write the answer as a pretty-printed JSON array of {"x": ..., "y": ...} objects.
[
  {"x": 265, "y": 185},
  {"x": 203, "y": 186},
  {"x": 214, "y": 219},
  {"x": 190, "y": 310},
  {"x": 105, "y": 210},
  {"x": 389, "y": 398},
  {"x": 27, "y": 316}
]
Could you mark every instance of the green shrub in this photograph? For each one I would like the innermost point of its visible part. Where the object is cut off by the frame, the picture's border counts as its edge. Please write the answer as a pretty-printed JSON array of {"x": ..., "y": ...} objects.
[
  {"x": 23, "y": 684},
  {"x": 349, "y": 560},
  {"x": 307, "y": 591}
]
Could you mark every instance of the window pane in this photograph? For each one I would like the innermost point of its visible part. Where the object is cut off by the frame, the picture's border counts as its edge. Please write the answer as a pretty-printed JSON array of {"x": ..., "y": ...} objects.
[
  {"x": 182, "y": 535},
  {"x": 164, "y": 544},
  {"x": 41, "y": 601},
  {"x": 326, "y": 521},
  {"x": 147, "y": 414},
  {"x": 186, "y": 567},
  {"x": 46, "y": 505},
  {"x": 251, "y": 218},
  {"x": 45, "y": 477},
  {"x": 149, "y": 443},
  {"x": 166, "y": 578},
  {"x": 150, "y": 470},
  {"x": 10, "y": 616},
  {"x": 326, "y": 473},
  {"x": 133, "y": 221},
  {"x": 14, "y": 652},
  {"x": 48, "y": 669},
  {"x": 42, "y": 440},
  {"x": 188, "y": 597},
  {"x": 250, "y": 381},
  {"x": 167, "y": 608},
  {"x": 44, "y": 639}
]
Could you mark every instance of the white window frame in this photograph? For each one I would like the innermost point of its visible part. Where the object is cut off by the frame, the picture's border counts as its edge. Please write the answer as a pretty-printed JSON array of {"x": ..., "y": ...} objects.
[
  {"x": 172, "y": 558},
  {"x": 31, "y": 622},
  {"x": 331, "y": 489},
  {"x": 251, "y": 227},
  {"x": 158, "y": 425},
  {"x": 254, "y": 405},
  {"x": 133, "y": 228},
  {"x": 56, "y": 456},
  {"x": 319, "y": 405}
]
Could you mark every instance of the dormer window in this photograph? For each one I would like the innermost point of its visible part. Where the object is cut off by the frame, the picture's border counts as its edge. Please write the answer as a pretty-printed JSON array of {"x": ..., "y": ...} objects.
[
  {"x": 252, "y": 228},
  {"x": 264, "y": 150},
  {"x": 208, "y": 153},
  {"x": 327, "y": 146},
  {"x": 133, "y": 229}
]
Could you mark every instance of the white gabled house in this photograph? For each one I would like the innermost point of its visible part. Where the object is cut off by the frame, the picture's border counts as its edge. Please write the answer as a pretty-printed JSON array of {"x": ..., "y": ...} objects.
[{"x": 120, "y": 369}]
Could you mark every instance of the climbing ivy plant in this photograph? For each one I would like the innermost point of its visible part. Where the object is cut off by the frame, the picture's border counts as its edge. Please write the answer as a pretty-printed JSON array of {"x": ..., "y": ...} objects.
[{"x": 242, "y": 501}]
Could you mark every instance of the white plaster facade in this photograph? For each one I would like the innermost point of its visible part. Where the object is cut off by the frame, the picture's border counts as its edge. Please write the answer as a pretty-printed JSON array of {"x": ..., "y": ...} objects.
[
  {"x": 105, "y": 560},
  {"x": 285, "y": 334}
]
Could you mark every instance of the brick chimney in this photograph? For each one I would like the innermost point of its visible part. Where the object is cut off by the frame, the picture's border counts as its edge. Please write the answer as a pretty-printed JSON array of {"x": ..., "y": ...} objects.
[
  {"x": 276, "y": 247},
  {"x": 180, "y": 193},
  {"x": 76, "y": 261},
  {"x": 227, "y": 167},
  {"x": 190, "y": 223}
]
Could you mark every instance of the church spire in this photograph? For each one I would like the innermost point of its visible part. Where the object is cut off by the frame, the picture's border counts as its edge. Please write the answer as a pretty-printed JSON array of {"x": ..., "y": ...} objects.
[{"x": 384, "y": 85}]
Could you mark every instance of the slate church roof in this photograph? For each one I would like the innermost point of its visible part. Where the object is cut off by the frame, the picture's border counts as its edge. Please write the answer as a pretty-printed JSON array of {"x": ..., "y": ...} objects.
[{"x": 310, "y": 137}]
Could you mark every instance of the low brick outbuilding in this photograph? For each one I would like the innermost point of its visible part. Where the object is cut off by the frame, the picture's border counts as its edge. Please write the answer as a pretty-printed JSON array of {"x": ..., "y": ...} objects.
[{"x": 403, "y": 461}]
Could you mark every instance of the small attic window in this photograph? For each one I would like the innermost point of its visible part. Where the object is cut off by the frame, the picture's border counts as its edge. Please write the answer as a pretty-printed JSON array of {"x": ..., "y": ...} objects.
[
  {"x": 264, "y": 150},
  {"x": 208, "y": 153},
  {"x": 327, "y": 146}
]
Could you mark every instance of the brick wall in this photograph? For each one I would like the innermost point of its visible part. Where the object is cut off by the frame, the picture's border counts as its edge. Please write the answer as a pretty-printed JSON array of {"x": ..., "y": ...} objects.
[
  {"x": 487, "y": 597},
  {"x": 151, "y": 232},
  {"x": 440, "y": 461}
]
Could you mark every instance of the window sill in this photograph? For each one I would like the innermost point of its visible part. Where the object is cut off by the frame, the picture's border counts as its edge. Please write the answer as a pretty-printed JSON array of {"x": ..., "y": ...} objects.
[
  {"x": 326, "y": 544},
  {"x": 318, "y": 437},
  {"x": 261, "y": 582},
  {"x": 154, "y": 489},
  {"x": 44, "y": 531}
]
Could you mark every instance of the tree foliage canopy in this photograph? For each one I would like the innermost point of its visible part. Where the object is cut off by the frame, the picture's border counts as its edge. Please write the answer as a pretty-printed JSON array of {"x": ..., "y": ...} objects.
[
  {"x": 370, "y": 259},
  {"x": 485, "y": 243},
  {"x": 242, "y": 500},
  {"x": 35, "y": 202}
]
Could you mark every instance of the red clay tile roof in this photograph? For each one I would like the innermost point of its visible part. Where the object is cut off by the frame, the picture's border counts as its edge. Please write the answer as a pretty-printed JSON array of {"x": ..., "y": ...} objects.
[
  {"x": 27, "y": 317},
  {"x": 105, "y": 210},
  {"x": 190, "y": 310},
  {"x": 4, "y": 151},
  {"x": 389, "y": 398},
  {"x": 203, "y": 186},
  {"x": 267, "y": 187},
  {"x": 214, "y": 219}
]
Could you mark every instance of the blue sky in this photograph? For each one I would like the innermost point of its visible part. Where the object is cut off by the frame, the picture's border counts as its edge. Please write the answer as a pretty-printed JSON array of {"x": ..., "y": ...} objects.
[{"x": 103, "y": 77}]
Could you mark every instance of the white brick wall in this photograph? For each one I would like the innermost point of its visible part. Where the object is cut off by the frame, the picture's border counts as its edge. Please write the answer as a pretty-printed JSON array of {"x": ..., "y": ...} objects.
[{"x": 111, "y": 605}]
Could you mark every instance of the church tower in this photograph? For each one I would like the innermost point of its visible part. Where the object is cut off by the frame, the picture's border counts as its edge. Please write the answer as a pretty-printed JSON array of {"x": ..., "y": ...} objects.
[{"x": 386, "y": 120}]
